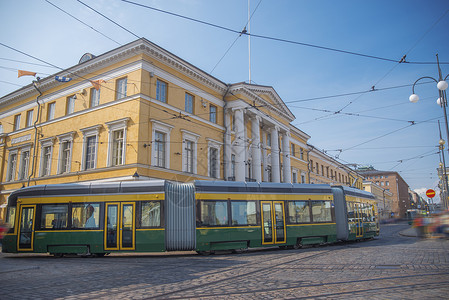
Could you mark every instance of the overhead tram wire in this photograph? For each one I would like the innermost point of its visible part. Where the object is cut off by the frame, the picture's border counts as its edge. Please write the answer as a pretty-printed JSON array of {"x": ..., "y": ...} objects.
[
  {"x": 109, "y": 19},
  {"x": 82, "y": 22},
  {"x": 268, "y": 37}
]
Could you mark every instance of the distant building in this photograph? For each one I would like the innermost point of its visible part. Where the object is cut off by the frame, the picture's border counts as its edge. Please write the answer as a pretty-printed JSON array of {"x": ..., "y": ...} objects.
[
  {"x": 384, "y": 198},
  {"x": 394, "y": 183}
]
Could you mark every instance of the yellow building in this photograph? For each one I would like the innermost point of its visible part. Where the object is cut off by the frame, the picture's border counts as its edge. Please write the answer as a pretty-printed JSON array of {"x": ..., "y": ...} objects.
[{"x": 139, "y": 112}]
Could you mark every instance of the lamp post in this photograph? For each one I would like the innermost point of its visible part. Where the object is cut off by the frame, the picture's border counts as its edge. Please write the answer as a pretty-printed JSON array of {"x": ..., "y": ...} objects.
[
  {"x": 443, "y": 177},
  {"x": 442, "y": 101}
]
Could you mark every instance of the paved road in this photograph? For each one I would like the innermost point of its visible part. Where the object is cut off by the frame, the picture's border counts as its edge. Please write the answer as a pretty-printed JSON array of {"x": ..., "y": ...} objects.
[{"x": 390, "y": 267}]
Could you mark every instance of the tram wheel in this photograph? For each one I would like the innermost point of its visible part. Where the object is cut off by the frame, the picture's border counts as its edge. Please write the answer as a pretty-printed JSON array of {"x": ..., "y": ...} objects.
[
  {"x": 58, "y": 255},
  {"x": 205, "y": 253}
]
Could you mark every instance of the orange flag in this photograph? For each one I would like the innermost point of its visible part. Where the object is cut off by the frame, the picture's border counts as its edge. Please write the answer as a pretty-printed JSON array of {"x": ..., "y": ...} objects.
[
  {"x": 25, "y": 73},
  {"x": 97, "y": 83}
]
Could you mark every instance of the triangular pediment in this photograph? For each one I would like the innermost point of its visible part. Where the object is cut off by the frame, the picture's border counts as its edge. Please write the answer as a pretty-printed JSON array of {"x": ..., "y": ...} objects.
[{"x": 262, "y": 97}]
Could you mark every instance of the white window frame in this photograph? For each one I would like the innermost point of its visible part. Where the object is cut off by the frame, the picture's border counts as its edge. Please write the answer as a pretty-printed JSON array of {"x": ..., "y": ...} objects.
[
  {"x": 17, "y": 119},
  {"x": 163, "y": 128},
  {"x": 64, "y": 138},
  {"x": 70, "y": 105},
  {"x": 217, "y": 145},
  {"x": 11, "y": 173},
  {"x": 51, "y": 111},
  {"x": 122, "y": 88},
  {"x": 295, "y": 174},
  {"x": 164, "y": 96},
  {"x": 114, "y": 126},
  {"x": 94, "y": 101},
  {"x": 23, "y": 150},
  {"x": 191, "y": 137},
  {"x": 89, "y": 132},
  {"x": 48, "y": 142},
  {"x": 29, "y": 118}
]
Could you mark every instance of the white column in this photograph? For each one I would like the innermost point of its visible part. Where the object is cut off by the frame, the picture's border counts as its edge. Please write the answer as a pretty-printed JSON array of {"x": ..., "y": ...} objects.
[
  {"x": 239, "y": 146},
  {"x": 265, "y": 157},
  {"x": 286, "y": 158},
  {"x": 255, "y": 135},
  {"x": 275, "y": 167},
  {"x": 227, "y": 146}
]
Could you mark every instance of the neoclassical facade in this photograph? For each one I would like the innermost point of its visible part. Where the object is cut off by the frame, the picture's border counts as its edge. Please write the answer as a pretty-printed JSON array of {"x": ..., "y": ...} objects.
[{"x": 139, "y": 112}]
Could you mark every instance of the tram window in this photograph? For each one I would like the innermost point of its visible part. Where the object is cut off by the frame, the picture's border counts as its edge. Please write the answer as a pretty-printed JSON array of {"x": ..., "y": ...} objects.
[
  {"x": 243, "y": 213},
  {"x": 321, "y": 211},
  {"x": 54, "y": 216},
  {"x": 151, "y": 214},
  {"x": 11, "y": 217},
  {"x": 298, "y": 212},
  {"x": 214, "y": 213},
  {"x": 350, "y": 207},
  {"x": 86, "y": 216}
]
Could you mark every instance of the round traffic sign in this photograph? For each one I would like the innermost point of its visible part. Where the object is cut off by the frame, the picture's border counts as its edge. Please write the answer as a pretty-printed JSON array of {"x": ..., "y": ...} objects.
[{"x": 430, "y": 193}]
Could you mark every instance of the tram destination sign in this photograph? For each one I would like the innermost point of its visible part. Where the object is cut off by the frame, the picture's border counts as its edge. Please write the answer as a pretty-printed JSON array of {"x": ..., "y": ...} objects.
[{"x": 430, "y": 193}]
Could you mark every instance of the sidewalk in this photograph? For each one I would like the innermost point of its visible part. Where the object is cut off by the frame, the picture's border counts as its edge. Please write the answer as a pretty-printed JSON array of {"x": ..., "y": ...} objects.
[{"x": 410, "y": 232}]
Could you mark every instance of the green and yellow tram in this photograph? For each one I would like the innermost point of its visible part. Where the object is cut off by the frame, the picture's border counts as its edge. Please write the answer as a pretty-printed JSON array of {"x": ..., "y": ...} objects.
[{"x": 157, "y": 216}]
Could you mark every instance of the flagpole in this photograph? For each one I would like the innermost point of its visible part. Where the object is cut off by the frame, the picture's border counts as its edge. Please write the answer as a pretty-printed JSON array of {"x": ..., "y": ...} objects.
[{"x": 249, "y": 42}]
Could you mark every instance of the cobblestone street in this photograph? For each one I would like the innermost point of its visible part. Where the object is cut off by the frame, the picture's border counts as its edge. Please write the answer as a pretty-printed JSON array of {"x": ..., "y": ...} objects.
[{"x": 392, "y": 266}]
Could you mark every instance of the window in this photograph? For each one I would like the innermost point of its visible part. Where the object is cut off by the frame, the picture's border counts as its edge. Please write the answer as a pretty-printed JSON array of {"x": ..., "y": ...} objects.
[
  {"x": 46, "y": 156},
  {"x": 160, "y": 150},
  {"x": 387, "y": 183},
  {"x": 70, "y": 108},
  {"x": 214, "y": 213},
  {"x": 233, "y": 166},
  {"x": 213, "y": 114},
  {"x": 161, "y": 91},
  {"x": 51, "y": 111},
  {"x": 91, "y": 147},
  {"x": 12, "y": 165},
  {"x": 159, "y": 145},
  {"x": 189, "y": 103},
  {"x": 298, "y": 212},
  {"x": 303, "y": 178},
  {"x": 29, "y": 119},
  {"x": 65, "y": 152},
  {"x": 54, "y": 216},
  {"x": 151, "y": 214},
  {"x": 117, "y": 148},
  {"x": 189, "y": 156},
  {"x": 269, "y": 139},
  {"x": 322, "y": 170},
  {"x": 24, "y": 163},
  {"x": 65, "y": 157},
  {"x": 189, "y": 152},
  {"x": 86, "y": 216},
  {"x": 301, "y": 153},
  {"x": 213, "y": 162},
  {"x": 90, "y": 142},
  {"x": 293, "y": 153},
  {"x": 16, "y": 122},
  {"x": 295, "y": 176},
  {"x": 243, "y": 213},
  {"x": 327, "y": 172},
  {"x": 117, "y": 142},
  {"x": 317, "y": 168},
  {"x": 46, "y": 161},
  {"x": 94, "y": 97},
  {"x": 1, "y": 128},
  {"x": 321, "y": 211},
  {"x": 121, "y": 88}
]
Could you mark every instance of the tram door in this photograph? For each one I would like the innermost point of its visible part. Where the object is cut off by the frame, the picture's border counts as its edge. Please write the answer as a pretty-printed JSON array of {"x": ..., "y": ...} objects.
[
  {"x": 358, "y": 219},
  {"x": 273, "y": 222},
  {"x": 26, "y": 228},
  {"x": 120, "y": 226}
]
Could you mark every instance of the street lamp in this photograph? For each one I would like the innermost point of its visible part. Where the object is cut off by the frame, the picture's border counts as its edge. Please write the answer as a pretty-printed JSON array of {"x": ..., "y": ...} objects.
[
  {"x": 442, "y": 166},
  {"x": 442, "y": 85}
]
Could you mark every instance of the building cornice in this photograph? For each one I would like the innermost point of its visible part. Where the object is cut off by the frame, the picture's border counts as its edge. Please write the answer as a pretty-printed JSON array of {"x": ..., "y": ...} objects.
[{"x": 83, "y": 70}]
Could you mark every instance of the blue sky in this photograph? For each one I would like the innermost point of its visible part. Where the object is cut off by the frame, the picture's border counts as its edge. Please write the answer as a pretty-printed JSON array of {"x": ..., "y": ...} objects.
[{"x": 372, "y": 128}]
